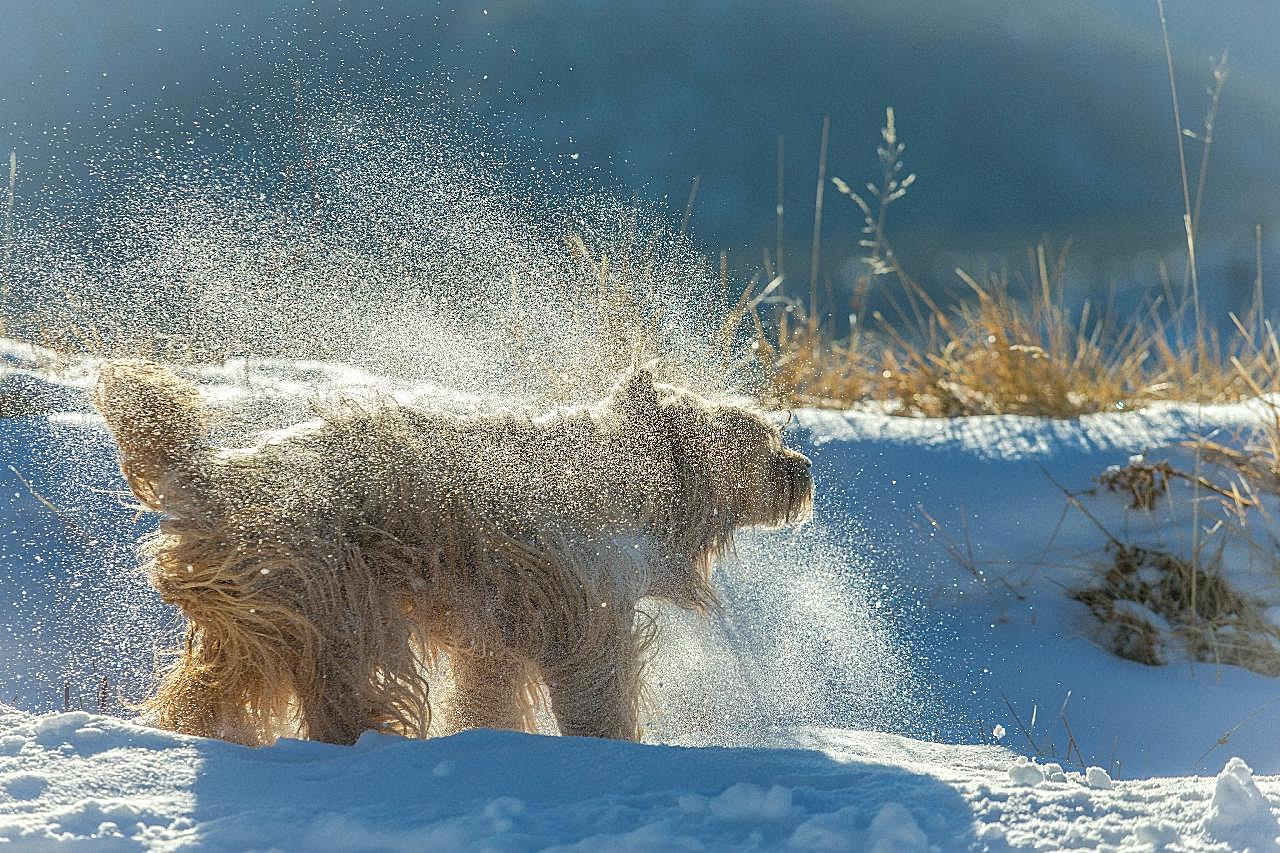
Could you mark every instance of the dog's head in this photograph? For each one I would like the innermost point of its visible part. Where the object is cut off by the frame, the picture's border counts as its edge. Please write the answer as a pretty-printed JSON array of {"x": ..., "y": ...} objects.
[
  {"x": 738, "y": 452},
  {"x": 766, "y": 483}
]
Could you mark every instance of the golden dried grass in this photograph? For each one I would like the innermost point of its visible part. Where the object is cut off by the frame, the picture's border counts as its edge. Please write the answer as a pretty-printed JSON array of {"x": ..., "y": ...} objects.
[{"x": 1016, "y": 348}]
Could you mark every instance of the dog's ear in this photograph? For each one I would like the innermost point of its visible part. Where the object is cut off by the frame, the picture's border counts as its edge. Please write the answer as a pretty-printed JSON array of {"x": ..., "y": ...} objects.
[{"x": 635, "y": 395}]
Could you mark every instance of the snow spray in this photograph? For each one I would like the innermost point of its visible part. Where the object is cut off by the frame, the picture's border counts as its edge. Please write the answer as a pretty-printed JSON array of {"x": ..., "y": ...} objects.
[{"x": 372, "y": 238}]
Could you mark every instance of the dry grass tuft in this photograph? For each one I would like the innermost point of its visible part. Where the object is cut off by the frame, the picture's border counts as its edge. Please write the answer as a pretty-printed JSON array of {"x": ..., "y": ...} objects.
[
  {"x": 1147, "y": 597},
  {"x": 1015, "y": 348},
  {"x": 1009, "y": 347},
  {"x": 1004, "y": 345}
]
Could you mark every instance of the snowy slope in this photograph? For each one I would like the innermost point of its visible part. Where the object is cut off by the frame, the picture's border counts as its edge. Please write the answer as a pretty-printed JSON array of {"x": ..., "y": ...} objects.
[
  {"x": 828, "y": 708},
  {"x": 992, "y": 483}
]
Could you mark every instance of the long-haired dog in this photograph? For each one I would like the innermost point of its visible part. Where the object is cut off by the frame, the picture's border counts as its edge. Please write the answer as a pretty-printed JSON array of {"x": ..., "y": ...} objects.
[{"x": 323, "y": 571}]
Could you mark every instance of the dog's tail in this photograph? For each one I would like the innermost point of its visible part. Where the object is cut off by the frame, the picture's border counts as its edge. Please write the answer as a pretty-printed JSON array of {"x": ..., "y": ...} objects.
[{"x": 158, "y": 420}]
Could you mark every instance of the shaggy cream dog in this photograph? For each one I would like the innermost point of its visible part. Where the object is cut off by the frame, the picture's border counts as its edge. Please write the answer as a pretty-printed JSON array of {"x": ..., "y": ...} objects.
[{"x": 324, "y": 571}]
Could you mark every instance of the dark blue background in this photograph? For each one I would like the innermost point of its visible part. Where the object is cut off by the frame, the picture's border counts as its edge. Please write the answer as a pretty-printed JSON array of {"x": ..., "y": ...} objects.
[{"x": 1023, "y": 118}]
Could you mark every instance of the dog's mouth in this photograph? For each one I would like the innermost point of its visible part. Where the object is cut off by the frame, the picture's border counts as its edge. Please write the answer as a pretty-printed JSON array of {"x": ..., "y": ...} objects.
[
  {"x": 792, "y": 490},
  {"x": 800, "y": 492}
]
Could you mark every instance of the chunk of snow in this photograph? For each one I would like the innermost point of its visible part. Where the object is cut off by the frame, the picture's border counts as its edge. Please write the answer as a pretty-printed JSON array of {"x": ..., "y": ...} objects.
[
  {"x": 1156, "y": 834},
  {"x": 894, "y": 830},
  {"x": 1239, "y": 813},
  {"x": 836, "y": 830},
  {"x": 1053, "y": 772},
  {"x": 58, "y": 724},
  {"x": 745, "y": 801},
  {"x": 692, "y": 803},
  {"x": 501, "y": 811},
  {"x": 369, "y": 739},
  {"x": 61, "y": 728},
  {"x": 1025, "y": 772},
  {"x": 991, "y": 833},
  {"x": 24, "y": 786},
  {"x": 998, "y": 732},
  {"x": 1097, "y": 778}
]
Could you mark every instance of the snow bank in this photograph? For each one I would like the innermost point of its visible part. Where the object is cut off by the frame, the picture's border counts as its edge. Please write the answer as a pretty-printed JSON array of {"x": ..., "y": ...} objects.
[{"x": 107, "y": 784}]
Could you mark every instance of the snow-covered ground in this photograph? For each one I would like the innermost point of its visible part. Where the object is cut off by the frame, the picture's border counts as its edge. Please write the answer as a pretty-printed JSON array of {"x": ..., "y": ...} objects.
[
  {"x": 876, "y": 681},
  {"x": 109, "y": 784}
]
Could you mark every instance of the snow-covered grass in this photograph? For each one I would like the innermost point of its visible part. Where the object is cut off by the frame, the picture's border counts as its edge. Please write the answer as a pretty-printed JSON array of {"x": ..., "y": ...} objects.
[{"x": 909, "y": 672}]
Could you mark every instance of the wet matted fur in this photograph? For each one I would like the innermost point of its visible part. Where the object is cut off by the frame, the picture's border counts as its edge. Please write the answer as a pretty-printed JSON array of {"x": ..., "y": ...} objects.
[{"x": 323, "y": 570}]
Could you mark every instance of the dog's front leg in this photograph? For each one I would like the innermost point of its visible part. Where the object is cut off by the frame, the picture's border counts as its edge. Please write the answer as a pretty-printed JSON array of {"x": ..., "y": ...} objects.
[
  {"x": 490, "y": 690},
  {"x": 595, "y": 691}
]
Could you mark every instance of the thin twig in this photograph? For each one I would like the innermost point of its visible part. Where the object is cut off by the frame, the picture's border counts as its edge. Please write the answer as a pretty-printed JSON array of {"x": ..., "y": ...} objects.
[
  {"x": 963, "y": 558},
  {"x": 1041, "y": 561},
  {"x": 48, "y": 504},
  {"x": 688, "y": 208},
  {"x": 1215, "y": 97},
  {"x": 1078, "y": 504},
  {"x": 778, "y": 210},
  {"x": 1257, "y": 272},
  {"x": 816, "y": 250},
  {"x": 1182, "y": 168},
  {"x": 1225, "y": 738},
  {"x": 1026, "y": 734},
  {"x": 1071, "y": 737}
]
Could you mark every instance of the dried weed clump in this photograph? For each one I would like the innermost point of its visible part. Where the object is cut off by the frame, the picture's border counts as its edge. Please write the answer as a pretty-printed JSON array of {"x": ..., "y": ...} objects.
[
  {"x": 1211, "y": 599},
  {"x": 1213, "y": 602},
  {"x": 1147, "y": 599}
]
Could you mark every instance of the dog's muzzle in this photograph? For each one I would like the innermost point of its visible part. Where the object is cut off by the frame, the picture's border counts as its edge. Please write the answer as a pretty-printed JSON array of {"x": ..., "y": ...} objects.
[{"x": 794, "y": 473}]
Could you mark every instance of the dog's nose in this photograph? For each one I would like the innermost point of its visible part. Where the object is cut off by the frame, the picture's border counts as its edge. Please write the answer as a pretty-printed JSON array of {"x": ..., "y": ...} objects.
[{"x": 800, "y": 457}]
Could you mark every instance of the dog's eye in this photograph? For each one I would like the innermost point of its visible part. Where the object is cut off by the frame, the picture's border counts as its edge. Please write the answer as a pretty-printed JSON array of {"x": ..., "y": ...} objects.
[{"x": 748, "y": 432}]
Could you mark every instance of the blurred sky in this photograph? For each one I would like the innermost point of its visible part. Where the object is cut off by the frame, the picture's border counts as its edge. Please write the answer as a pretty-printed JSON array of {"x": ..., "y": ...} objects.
[{"x": 1022, "y": 117}]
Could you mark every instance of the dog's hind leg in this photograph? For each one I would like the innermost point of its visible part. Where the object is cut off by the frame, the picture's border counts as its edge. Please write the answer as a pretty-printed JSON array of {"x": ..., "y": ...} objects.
[
  {"x": 346, "y": 693},
  {"x": 197, "y": 705},
  {"x": 335, "y": 706},
  {"x": 491, "y": 690}
]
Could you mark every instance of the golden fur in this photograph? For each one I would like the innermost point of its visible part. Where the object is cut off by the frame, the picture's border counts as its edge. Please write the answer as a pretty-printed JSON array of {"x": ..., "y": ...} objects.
[{"x": 325, "y": 570}]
